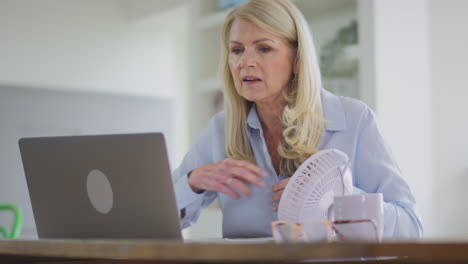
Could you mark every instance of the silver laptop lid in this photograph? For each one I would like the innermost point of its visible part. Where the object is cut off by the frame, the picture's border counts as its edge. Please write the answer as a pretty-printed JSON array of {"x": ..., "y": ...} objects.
[{"x": 104, "y": 186}]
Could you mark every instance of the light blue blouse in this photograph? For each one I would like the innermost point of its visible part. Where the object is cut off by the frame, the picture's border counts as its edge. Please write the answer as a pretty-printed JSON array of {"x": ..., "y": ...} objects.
[{"x": 351, "y": 127}]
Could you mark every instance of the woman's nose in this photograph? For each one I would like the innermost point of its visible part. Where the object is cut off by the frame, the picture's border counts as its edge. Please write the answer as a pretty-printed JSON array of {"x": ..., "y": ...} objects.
[{"x": 249, "y": 59}]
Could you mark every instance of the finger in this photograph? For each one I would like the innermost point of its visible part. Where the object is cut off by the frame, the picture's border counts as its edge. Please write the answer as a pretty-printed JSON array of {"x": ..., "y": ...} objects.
[
  {"x": 280, "y": 185},
  {"x": 219, "y": 187},
  {"x": 277, "y": 196},
  {"x": 239, "y": 186},
  {"x": 246, "y": 176},
  {"x": 248, "y": 165}
]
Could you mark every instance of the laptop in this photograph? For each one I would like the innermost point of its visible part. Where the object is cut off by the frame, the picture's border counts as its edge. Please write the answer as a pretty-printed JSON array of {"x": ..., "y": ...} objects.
[{"x": 101, "y": 187}]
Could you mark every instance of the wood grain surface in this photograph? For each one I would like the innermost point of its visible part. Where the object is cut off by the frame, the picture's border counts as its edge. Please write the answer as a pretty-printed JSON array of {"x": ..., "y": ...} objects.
[{"x": 152, "y": 251}]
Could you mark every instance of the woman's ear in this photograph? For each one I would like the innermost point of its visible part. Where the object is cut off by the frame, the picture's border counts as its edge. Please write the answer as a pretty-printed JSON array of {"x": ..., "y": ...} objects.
[
  {"x": 294, "y": 72},
  {"x": 295, "y": 63},
  {"x": 294, "y": 69}
]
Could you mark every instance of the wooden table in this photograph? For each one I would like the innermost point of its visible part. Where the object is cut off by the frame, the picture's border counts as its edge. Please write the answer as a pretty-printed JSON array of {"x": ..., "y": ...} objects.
[{"x": 153, "y": 251}]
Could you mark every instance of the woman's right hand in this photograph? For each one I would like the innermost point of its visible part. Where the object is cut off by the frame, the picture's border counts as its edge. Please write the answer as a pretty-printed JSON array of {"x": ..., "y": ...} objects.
[{"x": 228, "y": 176}]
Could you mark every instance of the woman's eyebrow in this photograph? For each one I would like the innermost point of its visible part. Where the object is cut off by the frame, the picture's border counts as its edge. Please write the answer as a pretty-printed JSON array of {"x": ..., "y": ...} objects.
[
  {"x": 263, "y": 39},
  {"x": 253, "y": 42}
]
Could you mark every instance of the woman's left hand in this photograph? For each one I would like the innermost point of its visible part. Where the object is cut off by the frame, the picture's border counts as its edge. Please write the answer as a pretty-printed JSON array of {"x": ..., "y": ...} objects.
[{"x": 277, "y": 190}]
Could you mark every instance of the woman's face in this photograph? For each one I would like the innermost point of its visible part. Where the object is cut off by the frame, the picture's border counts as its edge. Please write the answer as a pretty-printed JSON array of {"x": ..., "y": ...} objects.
[{"x": 261, "y": 62}]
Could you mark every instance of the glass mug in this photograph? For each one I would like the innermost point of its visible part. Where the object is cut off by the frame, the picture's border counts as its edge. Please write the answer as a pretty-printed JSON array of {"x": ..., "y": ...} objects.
[
  {"x": 320, "y": 230},
  {"x": 17, "y": 222}
]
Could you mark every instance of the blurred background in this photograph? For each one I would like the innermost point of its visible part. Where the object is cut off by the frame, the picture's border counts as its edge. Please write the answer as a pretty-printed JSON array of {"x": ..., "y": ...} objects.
[{"x": 120, "y": 66}]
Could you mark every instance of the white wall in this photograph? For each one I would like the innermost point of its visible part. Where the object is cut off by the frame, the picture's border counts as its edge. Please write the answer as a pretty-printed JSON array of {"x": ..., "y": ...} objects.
[
  {"x": 109, "y": 46},
  {"x": 402, "y": 88},
  {"x": 415, "y": 57},
  {"x": 95, "y": 49},
  {"x": 449, "y": 78},
  {"x": 84, "y": 45}
]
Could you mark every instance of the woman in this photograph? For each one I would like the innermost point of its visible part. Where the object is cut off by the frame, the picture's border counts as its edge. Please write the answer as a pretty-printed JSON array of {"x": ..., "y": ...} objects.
[{"x": 276, "y": 117}]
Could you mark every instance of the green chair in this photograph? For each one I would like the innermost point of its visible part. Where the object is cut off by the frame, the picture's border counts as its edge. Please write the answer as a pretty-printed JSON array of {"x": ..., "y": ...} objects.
[{"x": 17, "y": 223}]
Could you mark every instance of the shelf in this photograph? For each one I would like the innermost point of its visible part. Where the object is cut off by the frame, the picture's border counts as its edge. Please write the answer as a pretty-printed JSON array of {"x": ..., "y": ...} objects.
[
  {"x": 348, "y": 64},
  {"x": 310, "y": 8},
  {"x": 212, "y": 20},
  {"x": 352, "y": 52},
  {"x": 321, "y": 8},
  {"x": 342, "y": 86}
]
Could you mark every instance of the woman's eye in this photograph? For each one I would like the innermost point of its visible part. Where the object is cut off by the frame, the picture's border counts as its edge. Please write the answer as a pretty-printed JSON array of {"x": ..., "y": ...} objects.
[
  {"x": 236, "y": 50},
  {"x": 265, "y": 49}
]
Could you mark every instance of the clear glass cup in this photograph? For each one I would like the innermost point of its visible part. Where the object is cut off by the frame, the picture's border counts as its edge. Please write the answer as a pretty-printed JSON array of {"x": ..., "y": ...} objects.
[{"x": 322, "y": 230}]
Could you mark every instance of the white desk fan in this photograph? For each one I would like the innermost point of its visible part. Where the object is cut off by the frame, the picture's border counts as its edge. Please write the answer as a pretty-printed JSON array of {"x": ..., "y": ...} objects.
[{"x": 309, "y": 194}]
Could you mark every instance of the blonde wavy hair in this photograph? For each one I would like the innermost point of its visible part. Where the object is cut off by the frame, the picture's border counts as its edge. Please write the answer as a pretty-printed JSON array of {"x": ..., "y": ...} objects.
[{"x": 302, "y": 119}]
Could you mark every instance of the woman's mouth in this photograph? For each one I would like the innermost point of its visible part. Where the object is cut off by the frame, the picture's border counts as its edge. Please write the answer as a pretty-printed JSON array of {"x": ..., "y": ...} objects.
[{"x": 249, "y": 80}]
